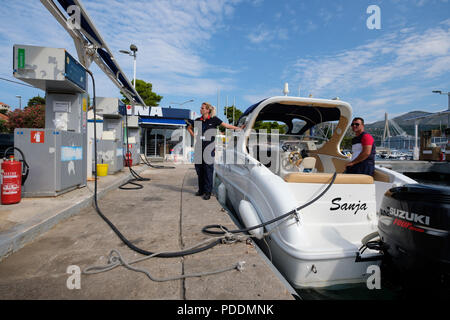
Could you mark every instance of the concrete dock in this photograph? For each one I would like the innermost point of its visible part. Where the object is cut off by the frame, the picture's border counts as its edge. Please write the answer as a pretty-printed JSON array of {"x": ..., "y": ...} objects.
[
  {"x": 414, "y": 166},
  {"x": 41, "y": 238}
]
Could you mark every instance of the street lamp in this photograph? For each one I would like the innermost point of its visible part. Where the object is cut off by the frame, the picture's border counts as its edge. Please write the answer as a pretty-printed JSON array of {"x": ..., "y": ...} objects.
[
  {"x": 20, "y": 102},
  {"x": 448, "y": 109},
  {"x": 133, "y": 49}
]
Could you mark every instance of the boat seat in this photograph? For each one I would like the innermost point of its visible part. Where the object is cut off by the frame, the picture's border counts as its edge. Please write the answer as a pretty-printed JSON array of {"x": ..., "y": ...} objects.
[
  {"x": 325, "y": 178},
  {"x": 381, "y": 176},
  {"x": 307, "y": 164}
]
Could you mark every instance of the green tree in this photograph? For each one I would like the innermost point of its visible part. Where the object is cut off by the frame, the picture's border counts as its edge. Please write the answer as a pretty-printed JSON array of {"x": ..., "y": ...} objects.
[
  {"x": 144, "y": 89},
  {"x": 228, "y": 112},
  {"x": 269, "y": 126},
  {"x": 38, "y": 100}
]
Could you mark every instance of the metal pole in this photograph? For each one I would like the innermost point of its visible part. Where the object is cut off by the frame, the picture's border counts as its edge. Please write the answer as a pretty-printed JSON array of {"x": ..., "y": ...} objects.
[
  {"x": 234, "y": 108},
  {"x": 134, "y": 74},
  {"x": 218, "y": 101},
  {"x": 146, "y": 132},
  {"x": 448, "y": 117},
  {"x": 226, "y": 109}
]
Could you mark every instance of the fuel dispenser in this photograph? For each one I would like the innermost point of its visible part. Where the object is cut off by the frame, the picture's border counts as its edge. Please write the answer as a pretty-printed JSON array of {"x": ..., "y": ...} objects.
[
  {"x": 57, "y": 154},
  {"x": 110, "y": 147},
  {"x": 90, "y": 145},
  {"x": 134, "y": 139}
]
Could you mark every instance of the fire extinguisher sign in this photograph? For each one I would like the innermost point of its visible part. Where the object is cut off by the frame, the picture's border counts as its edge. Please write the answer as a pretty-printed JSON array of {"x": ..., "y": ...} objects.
[{"x": 37, "y": 136}]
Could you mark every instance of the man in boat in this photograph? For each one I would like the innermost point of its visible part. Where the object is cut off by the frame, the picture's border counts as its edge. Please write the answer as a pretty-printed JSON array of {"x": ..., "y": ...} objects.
[
  {"x": 204, "y": 163},
  {"x": 363, "y": 150}
]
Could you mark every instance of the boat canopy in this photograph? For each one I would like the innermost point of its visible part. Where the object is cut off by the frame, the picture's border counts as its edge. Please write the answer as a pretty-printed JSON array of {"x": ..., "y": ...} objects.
[{"x": 286, "y": 112}]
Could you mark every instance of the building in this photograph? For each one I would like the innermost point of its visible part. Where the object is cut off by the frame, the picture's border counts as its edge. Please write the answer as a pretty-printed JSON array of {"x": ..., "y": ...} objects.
[
  {"x": 4, "y": 106},
  {"x": 4, "y": 117},
  {"x": 164, "y": 134}
]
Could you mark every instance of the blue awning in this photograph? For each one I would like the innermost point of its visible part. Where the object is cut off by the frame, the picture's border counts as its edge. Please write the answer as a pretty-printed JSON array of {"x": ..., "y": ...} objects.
[{"x": 162, "y": 121}]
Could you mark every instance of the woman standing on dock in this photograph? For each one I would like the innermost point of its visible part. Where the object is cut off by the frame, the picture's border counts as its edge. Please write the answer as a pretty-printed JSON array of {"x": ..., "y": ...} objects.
[{"x": 204, "y": 165}]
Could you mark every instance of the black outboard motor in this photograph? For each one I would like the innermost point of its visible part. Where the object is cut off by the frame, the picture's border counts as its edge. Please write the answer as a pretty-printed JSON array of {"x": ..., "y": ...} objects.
[{"x": 414, "y": 226}]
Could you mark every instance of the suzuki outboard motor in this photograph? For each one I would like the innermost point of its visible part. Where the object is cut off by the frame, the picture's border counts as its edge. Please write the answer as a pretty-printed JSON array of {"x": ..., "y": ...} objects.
[{"x": 414, "y": 227}]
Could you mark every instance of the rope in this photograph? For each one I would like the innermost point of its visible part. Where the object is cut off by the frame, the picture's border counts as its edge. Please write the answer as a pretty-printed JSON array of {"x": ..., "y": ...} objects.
[{"x": 115, "y": 260}]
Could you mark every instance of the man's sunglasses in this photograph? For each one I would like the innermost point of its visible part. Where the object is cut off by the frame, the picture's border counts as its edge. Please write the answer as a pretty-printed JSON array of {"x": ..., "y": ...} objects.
[{"x": 355, "y": 124}]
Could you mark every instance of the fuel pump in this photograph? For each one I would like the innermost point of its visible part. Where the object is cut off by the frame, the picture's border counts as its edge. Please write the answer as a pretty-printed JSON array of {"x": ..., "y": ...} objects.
[
  {"x": 110, "y": 146},
  {"x": 132, "y": 138},
  {"x": 56, "y": 154}
]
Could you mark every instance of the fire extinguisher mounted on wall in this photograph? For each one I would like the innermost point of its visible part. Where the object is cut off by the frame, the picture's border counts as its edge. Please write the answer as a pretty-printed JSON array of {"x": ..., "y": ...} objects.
[{"x": 14, "y": 174}]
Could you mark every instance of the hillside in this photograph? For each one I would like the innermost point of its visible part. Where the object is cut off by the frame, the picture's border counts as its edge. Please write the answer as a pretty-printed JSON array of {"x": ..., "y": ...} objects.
[{"x": 377, "y": 128}]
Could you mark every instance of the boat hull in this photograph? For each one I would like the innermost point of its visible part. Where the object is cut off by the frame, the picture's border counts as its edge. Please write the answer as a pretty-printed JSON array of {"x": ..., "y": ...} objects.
[{"x": 301, "y": 266}]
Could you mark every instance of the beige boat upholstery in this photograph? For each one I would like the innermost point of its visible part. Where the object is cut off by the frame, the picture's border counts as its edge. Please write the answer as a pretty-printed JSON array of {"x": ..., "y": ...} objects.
[
  {"x": 307, "y": 164},
  {"x": 381, "y": 176},
  {"x": 340, "y": 164},
  {"x": 325, "y": 178}
]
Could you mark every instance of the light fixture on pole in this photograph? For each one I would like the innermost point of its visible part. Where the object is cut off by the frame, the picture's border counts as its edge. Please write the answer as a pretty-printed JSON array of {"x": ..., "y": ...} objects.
[
  {"x": 133, "y": 49},
  {"x": 448, "y": 108},
  {"x": 20, "y": 102}
]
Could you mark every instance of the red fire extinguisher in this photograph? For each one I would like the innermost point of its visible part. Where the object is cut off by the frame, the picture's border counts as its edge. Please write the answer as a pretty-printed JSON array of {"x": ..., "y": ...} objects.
[
  {"x": 128, "y": 159},
  {"x": 12, "y": 179}
]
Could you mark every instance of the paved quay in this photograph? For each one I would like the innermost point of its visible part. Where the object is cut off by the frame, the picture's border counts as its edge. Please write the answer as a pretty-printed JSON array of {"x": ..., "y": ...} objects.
[{"x": 163, "y": 216}]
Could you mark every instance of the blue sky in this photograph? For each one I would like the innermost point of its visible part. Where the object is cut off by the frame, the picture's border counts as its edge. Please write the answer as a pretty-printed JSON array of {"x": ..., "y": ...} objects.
[{"x": 248, "y": 49}]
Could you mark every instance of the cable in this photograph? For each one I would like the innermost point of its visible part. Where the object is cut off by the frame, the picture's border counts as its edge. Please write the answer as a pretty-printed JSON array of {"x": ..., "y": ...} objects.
[
  {"x": 22, "y": 84},
  {"x": 224, "y": 230},
  {"x": 112, "y": 226}
]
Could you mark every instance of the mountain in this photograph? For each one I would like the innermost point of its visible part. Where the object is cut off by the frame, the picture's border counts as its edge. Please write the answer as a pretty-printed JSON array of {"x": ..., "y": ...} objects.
[{"x": 377, "y": 128}]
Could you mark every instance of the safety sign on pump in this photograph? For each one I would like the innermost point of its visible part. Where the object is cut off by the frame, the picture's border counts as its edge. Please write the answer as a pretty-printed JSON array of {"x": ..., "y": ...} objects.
[{"x": 37, "y": 137}]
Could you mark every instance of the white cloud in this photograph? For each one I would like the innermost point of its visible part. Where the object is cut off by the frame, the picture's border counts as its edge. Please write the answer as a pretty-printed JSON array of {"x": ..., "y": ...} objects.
[
  {"x": 173, "y": 37},
  {"x": 263, "y": 33},
  {"x": 390, "y": 58},
  {"x": 255, "y": 97}
]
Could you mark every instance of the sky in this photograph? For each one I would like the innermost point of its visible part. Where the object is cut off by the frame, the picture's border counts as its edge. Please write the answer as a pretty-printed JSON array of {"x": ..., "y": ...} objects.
[{"x": 246, "y": 50}]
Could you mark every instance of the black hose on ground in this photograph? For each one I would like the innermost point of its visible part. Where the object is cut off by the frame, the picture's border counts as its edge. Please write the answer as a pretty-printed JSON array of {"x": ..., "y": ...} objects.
[{"x": 148, "y": 163}]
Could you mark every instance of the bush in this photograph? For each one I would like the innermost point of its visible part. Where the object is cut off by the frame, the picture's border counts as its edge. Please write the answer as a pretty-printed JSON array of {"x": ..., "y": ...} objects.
[
  {"x": 31, "y": 117},
  {"x": 3, "y": 126}
]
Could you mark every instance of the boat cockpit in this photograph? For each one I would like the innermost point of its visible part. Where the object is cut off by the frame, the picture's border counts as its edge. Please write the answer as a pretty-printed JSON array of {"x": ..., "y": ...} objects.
[{"x": 308, "y": 137}]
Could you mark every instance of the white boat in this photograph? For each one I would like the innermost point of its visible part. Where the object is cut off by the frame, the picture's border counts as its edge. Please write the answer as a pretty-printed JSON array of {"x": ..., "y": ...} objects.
[{"x": 264, "y": 176}]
